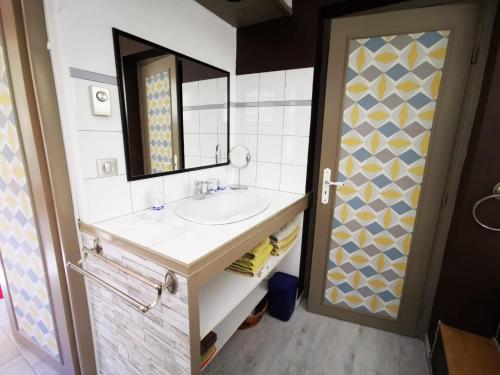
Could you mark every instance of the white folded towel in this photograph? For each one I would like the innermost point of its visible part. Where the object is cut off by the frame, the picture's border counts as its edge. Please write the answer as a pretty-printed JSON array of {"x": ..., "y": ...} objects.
[{"x": 285, "y": 231}]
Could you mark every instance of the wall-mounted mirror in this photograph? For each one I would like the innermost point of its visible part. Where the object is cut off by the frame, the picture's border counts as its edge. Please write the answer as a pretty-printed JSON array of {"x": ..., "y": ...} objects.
[{"x": 175, "y": 109}]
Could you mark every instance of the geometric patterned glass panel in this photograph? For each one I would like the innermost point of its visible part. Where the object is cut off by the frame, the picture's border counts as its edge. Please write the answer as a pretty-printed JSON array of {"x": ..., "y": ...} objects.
[
  {"x": 159, "y": 122},
  {"x": 19, "y": 245},
  {"x": 391, "y": 88}
]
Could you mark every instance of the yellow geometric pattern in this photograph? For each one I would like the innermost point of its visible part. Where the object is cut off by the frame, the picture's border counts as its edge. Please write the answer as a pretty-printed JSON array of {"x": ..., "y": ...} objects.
[
  {"x": 19, "y": 245},
  {"x": 392, "y": 84},
  {"x": 159, "y": 122}
]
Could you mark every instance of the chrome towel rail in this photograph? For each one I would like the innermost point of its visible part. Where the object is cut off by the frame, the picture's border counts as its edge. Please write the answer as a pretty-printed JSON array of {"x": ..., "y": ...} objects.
[
  {"x": 496, "y": 195},
  {"x": 170, "y": 283}
]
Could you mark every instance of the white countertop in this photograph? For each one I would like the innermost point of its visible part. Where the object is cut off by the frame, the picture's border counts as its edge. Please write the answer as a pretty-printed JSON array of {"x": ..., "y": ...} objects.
[{"x": 186, "y": 242}]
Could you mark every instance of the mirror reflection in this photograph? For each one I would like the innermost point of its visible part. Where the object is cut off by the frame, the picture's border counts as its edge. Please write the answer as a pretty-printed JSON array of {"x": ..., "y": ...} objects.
[{"x": 174, "y": 109}]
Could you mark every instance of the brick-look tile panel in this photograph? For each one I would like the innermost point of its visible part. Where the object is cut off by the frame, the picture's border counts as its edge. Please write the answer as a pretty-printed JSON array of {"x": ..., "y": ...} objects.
[{"x": 128, "y": 341}]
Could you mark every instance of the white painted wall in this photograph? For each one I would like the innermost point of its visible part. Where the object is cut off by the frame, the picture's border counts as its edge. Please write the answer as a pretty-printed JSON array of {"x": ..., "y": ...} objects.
[
  {"x": 181, "y": 25},
  {"x": 80, "y": 37}
]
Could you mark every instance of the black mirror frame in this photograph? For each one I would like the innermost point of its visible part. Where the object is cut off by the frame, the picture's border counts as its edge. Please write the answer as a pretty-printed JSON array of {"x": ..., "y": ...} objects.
[{"x": 123, "y": 112}]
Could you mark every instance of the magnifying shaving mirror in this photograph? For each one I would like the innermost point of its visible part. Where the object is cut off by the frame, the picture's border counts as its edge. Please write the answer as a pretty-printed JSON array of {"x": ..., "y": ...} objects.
[{"x": 239, "y": 157}]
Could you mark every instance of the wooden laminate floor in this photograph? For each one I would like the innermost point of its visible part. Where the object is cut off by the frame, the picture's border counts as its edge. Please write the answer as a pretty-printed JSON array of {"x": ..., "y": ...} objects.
[{"x": 316, "y": 345}]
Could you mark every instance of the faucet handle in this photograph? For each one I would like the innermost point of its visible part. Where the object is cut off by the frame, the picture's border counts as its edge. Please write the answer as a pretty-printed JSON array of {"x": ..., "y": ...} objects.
[{"x": 213, "y": 185}]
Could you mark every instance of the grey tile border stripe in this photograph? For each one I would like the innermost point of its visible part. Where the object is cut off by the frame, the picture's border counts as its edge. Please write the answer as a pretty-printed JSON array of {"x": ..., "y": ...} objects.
[
  {"x": 111, "y": 80},
  {"x": 205, "y": 106},
  {"x": 92, "y": 76},
  {"x": 245, "y": 104},
  {"x": 291, "y": 103},
  {"x": 281, "y": 103},
  {"x": 286, "y": 103}
]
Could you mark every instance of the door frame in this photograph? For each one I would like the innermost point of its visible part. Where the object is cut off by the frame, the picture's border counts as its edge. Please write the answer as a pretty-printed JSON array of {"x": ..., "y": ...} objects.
[
  {"x": 33, "y": 89},
  {"x": 470, "y": 103}
]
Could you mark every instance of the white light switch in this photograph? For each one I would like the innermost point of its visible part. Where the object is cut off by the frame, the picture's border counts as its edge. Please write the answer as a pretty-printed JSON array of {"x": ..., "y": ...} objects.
[{"x": 100, "y": 101}]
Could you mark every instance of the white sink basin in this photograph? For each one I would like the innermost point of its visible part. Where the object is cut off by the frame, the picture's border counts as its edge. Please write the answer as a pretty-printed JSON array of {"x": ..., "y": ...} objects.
[{"x": 222, "y": 209}]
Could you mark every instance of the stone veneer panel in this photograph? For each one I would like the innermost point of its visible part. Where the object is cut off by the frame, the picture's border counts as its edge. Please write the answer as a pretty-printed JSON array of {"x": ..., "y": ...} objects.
[{"x": 126, "y": 340}]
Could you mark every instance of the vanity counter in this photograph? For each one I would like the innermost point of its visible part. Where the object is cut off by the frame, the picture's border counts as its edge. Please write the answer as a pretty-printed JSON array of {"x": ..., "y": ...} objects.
[
  {"x": 165, "y": 337},
  {"x": 186, "y": 247}
]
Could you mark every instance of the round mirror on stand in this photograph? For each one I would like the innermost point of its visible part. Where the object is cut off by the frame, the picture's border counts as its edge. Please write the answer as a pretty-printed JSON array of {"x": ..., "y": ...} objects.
[{"x": 239, "y": 157}]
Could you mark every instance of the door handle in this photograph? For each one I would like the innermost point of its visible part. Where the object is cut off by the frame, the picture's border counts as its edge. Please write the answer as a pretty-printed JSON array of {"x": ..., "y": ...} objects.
[
  {"x": 334, "y": 183},
  {"x": 325, "y": 194}
]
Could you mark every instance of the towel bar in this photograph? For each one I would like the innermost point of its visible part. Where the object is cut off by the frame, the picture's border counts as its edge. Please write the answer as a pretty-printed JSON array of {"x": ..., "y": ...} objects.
[{"x": 170, "y": 281}]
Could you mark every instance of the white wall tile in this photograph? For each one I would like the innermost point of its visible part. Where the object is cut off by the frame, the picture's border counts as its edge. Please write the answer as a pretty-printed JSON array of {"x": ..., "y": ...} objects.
[
  {"x": 232, "y": 140},
  {"x": 297, "y": 120},
  {"x": 220, "y": 173},
  {"x": 208, "y": 120},
  {"x": 205, "y": 160},
  {"x": 272, "y": 86},
  {"x": 100, "y": 145},
  {"x": 268, "y": 175},
  {"x": 222, "y": 120},
  {"x": 249, "y": 141},
  {"x": 270, "y": 120},
  {"x": 208, "y": 92},
  {"x": 248, "y": 174},
  {"x": 208, "y": 144},
  {"x": 190, "y": 94},
  {"x": 222, "y": 97},
  {"x": 106, "y": 198},
  {"x": 295, "y": 150},
  {"x": 269, "y": 148},
  {"x": 202, "y": 174},
  {"x": 141, "y": 190},
  {"x": 176, "y": 186},
  {"x": 191, "y": 161},
  {"x": 192, "y": 144},
  {"x": 246, "y": 119},
  {"x": 299, "y": 84},
  {"x": 293, "y": 178},
  {"x": 222, "y": 142},
  {"x": 85, "y": 120},
  {"x": 232, "y": 118},
  {"x": 191, "y": 121},
  {"x": 247, "y": 88}
]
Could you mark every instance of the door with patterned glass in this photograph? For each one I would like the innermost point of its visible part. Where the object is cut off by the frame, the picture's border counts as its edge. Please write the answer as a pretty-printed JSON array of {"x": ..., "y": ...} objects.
[{"x": 394, "y": 89}]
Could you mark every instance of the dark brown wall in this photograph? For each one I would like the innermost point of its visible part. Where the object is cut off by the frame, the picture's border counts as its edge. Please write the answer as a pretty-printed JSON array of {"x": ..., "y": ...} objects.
[
  {"x": 284, "y": 43},
  {"x": 468, "y": 295}
]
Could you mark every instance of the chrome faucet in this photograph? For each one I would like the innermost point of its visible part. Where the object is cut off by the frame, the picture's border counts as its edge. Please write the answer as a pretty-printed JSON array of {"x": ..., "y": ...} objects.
[
  {"x": 200, "y": 189},
  {"x": 203, "y": 188}
]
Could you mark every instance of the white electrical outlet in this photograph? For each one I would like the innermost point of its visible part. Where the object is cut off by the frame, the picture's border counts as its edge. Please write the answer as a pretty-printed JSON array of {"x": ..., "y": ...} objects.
[
  {"x": 100, "y": 101},
  {"x": 107, "y": 167}
]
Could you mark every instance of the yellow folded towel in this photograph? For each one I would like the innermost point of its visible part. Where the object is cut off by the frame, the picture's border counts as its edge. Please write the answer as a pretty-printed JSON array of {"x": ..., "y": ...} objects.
[
  {"x": 241, "y": 272},
  {"x": 283, "y": 245},
  {"x": 257, "y": 261},
  {"x": 252, "y": 262},
  {"x": 258, "y": 250}
]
